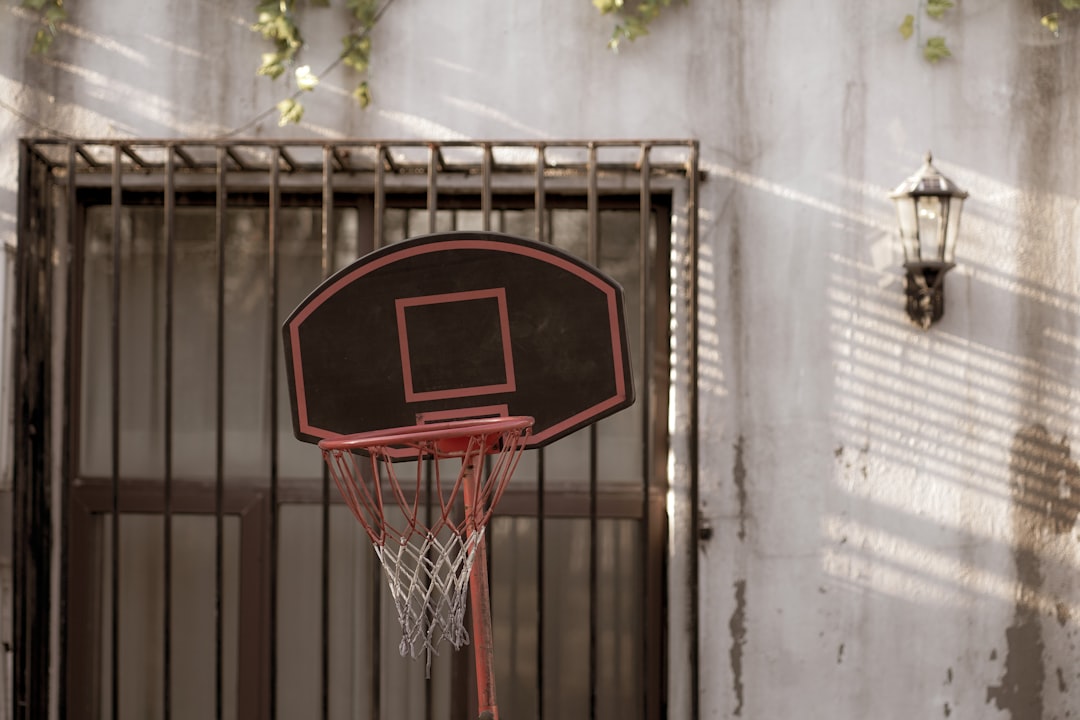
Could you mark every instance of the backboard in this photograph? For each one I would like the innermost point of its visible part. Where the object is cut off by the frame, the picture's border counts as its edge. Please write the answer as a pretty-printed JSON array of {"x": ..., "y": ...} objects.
[{"x": 454, "y": 326}]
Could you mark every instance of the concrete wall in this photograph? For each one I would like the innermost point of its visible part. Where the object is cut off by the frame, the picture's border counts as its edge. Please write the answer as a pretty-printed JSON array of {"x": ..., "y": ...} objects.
[{"x": 882, "y": 543}]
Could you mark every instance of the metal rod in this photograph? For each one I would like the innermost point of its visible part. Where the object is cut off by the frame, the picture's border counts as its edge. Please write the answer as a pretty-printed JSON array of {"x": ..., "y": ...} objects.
[
  {"x": 593, "y": 254},
  {"x": 324, "y": 577},
  {"x": 380, "y": 197},
  {"x": 541, "y": 520},
  {"x": 375, "y": 581},
  {"x": 43, "y": 493},
  {"x": 71, "y": 383},
  {"x": 114, "y": 659},
  {"x": 432, "y": 187},
  {"x": 220, "y": 227},
  {"x": 21, "y": 476},
  {"x": 272, "y": 277},
  {"x": 540, "y": 197},
  {"x": 170, "y": 252},
  {"x": 483, "y": 643},
  {"x": 485, "y": 186},
  {"x": 692, "y": 450},
  {"x": 432, "y": 207},
  {"x": 645, "y": 398}
]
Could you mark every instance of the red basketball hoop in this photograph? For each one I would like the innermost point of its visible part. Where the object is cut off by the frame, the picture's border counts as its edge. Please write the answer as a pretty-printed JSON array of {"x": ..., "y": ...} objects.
[{"x": 430, "y": 555}]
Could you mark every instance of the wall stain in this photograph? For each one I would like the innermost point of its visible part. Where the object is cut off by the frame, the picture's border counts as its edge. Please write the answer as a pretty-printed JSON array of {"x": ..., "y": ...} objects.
[
  {"x": 739, "y": 474},
  {"x": 840, "y": 654},
  {"x": 948, "y": 710},
  {"x": 1061, "y": 681},
  {"x": 737, "y": 626},
  {"x": 1044, "y": 484}
]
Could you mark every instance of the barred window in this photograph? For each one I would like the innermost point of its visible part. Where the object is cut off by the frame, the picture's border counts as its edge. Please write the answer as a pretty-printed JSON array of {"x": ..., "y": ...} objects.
[{"x": 207, "y": 567}]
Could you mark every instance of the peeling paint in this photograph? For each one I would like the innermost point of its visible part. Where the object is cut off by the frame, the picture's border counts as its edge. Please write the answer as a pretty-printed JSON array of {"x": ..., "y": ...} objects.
[
  {"x": 737, "y": 626},
  {"x": 739, "y": 473},
  {"x": 1045, "y": 490},
  {"x": 1020, "y": 691},
  {"x": 1063, "y": 613}
]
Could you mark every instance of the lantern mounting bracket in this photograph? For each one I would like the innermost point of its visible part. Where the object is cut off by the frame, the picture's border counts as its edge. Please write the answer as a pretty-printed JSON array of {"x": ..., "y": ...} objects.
[{"x": 924, "y": 284}]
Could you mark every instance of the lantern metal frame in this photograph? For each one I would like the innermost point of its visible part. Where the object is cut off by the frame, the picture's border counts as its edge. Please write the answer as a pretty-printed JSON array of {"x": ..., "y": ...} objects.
[{"x": 928, "y": 207}]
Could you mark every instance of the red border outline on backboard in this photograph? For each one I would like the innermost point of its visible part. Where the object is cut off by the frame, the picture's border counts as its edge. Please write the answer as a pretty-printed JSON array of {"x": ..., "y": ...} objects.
[
  {"x": 499, "y": 294},
  {"x": 584, "y": 272}
]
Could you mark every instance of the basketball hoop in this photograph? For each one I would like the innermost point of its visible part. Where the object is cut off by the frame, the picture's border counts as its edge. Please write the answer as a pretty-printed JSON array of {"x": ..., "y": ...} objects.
[
  {"x": 437, "y": 545},
  {"x": 528, "y": 338}
]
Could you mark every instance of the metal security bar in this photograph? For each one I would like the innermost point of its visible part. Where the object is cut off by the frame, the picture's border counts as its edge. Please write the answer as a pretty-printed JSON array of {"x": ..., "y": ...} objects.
[{"x": 174, "y": 262}]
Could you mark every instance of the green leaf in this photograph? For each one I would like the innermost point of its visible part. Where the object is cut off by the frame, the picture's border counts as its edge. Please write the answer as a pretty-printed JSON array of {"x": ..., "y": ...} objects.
[
  {"x": 356, "y": 52},
  {"x": 291, "y": 112},
  {"x": 937, "y": 8},
  {"x": 305, "y": 79},
  {"x": 278, "y": 26},
  {"x": 935, "y": 49},
  {"x": 1070, "y": 4},
  {"x": 55, "y": 15},
  {"x": 1050, "y": 22},
  {"x": 364, "y": 11},
  {"x": 608, "y": 6},
  {"x": 42, "y": 42},
  {"x": 908, "y": 26},
  {"x": 273, "y": 65},
  {"x": 634, "y": 28},
  {"x": 33, "y": 4},
  {"x": 362, "y": 93},
  {"x": 648, "y": 11}
]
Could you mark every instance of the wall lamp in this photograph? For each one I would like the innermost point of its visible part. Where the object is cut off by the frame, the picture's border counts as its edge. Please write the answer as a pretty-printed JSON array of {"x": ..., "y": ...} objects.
[{"x": 928, "y": 205}]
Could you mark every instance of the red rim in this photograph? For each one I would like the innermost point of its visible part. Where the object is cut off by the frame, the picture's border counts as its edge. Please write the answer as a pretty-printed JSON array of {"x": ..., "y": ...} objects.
[{"x": 412, "y": 434}]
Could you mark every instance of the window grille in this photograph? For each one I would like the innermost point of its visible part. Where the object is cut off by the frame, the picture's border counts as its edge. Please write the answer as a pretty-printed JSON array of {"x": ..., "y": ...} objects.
[{"x": 204, "y": 566}]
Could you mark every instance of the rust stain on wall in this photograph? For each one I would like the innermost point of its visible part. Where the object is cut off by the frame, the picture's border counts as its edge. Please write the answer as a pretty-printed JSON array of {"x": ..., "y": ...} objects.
[
  {"x": 1044, "y": 484},
  {"x": 737, "y": 626},
  {"x": 739, "y": 475}
]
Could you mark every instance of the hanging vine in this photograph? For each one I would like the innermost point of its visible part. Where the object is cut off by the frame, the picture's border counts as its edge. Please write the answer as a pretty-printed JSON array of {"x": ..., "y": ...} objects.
[
  {"x": 935, "y": 47},
  {"x": 277, "y": 23},
  {"x": 50, "y": 14},
  {"x": 633, "y": 22}
]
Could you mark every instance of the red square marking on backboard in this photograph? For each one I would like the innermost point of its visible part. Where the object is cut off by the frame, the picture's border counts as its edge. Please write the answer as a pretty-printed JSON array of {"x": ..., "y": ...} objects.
[{"x": 413, "y": 395}]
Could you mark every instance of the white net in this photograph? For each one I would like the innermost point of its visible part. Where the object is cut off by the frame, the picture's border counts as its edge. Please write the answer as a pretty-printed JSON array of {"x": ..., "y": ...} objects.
[
  {"x": 428, "y": 542},
  {"x": 429, "y": 582}
]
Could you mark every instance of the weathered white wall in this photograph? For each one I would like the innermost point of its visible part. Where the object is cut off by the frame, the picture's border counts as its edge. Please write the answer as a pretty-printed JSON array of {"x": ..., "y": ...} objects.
[{"x": 878, "y": 548}]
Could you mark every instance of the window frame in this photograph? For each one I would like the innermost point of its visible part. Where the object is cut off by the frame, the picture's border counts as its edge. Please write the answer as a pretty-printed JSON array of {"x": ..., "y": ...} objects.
[{"x": 649, "y": 504}]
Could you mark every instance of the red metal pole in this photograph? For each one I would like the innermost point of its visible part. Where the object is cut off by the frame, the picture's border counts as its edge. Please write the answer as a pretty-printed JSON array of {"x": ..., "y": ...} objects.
[{"x": 483, "y": 645}]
